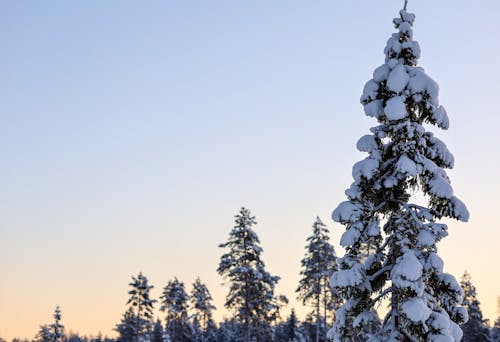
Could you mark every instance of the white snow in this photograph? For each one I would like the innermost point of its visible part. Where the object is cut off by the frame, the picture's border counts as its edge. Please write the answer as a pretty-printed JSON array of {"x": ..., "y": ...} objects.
[
  {"x": 365, "y": 168},
  {"x": 350, "y": 277},
  {"x": 439, "y": 321},
  {"x": 441, "y": 117},
  {"x": 373, "y": 229},
  {"x": 363, "y": 319},
  {"x": 370, "y": 90},
  {"x": 450, "y": 280},
  {"x": 395, "y": 108},
  {"x": 353, "y": 191},
  {"x": 425, "y": 238},
  {"x": 374, "y": 108},
  {"x": 406, "y": 166},
  {"x": 381, "y": 73},
  {"x": 459, "y": 209},
  {"x": 456, "y": 331},
  {"x": 440, "y": 187},
  {"x": 416, "y": 309},
  {"x": 398, "y": 79},
  {"x": 404, "y": 27},
  {"x": 435, "y": 262},
  {"x": 418, "y": 80},
  {"x": 408, "y": 267},
  {"x": 349, "y": 237},
  {"x": 389, "y": 182},
  {"x": 347, "y": 212},
  {"x": 440, "y": 338},
  {"x": 367, "y": 143}
]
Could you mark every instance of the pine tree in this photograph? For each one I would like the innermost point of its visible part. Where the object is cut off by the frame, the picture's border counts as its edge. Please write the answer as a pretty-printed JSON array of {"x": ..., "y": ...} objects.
[
  {"x": 44, "y": 334},
  {"x": 230, "y": 331},
  {"x": 475, "y": 330},
  {"x": 290, "y": 331},
  {"x": 201, "y": 301},
  {"x": 400, "y": 264},
  {"x": 175, "y": 302},
  {"x": 158, "y": 333},
  {"x": 56, "y": 328},
  {"x": 141, "y": 306},
  {"x": 318, "y": 265},
  {"x": 251, "y": 293},
  {"x": 127, "y": 327}
]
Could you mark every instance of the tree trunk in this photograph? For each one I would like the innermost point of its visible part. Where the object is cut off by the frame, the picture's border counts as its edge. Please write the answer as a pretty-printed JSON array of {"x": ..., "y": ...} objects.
[{"x": 318, "y": 314}]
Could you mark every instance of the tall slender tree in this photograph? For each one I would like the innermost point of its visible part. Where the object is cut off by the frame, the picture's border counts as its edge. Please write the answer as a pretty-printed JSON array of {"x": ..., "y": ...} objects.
[
  {"x": 202, "y": 306},
  {"x": 475, "y": 330},
  {"x": 56, "y": 328},
  {"x": 141, "y": 306},
  {"x": 175, "y": 302},
  {"x": 318, "y": 265},
  {"x": 251, "y": 292},
  {"x": 400, "y": 264}
]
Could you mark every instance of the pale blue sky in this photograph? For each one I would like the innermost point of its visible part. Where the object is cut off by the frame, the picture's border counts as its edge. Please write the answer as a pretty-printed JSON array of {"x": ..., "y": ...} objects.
[{"x": 132, "y": 132}]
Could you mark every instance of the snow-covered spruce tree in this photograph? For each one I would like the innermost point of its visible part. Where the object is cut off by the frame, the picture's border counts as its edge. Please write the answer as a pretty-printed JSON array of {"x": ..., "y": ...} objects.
[
  {"x": 141, "y": 307},
  {"x": 44, "y": 334},
  {"x": 475, "y": 330},
  {"x": 202, "y": 306},
  {"x": 175, "y": 302},
  {"x": 126, "y": 327},
  {"x": 251, "y": 293},
  {"x": 56, "y": 328},
  {"x": 158, "y": 334},
  {"x": 401, "y": 264},
  {"x": 289, "y": 331},
  {"x": 318, "y": 265}
]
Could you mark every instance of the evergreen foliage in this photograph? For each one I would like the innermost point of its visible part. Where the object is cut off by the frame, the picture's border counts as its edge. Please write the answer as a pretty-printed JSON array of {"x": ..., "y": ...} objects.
[
  {"x": 475, "y": 330},
  {"x": 401, "y": 263},
  {"x": 44, "y": 334},
  {"x": 56, "y": 328},
  {"x": 141, "y": 308},
  {"x": 127, "y": 327},
  {"x": 158, "y": 334},
  {"x": 251, "y": 293},
  {"x": 289, "y": 331},
  {"x": 202, "y": 306},
  {"x": 175, "y": 302},
  {"x": 318, "y": 265}
]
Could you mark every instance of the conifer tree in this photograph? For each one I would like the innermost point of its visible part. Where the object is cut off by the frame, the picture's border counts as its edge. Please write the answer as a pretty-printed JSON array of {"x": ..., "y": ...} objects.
[
  {"x": 475, "y": 330},
  {"x": 175, "y": 302},
  {"x": 318, "y": 265},
  {"x": 400, "y": 264},
  {"x": 289, "y": 331},
  {"x": 201, "y": 301},
  {"x": 127, "y": 327},
  {"x": 141, "y": 306},
  {"x": 251, "y": 293},
  {"x": 158, "y": 333},
  {"x": 57, "y": 329},
  {"x": 44, "y": 334}
]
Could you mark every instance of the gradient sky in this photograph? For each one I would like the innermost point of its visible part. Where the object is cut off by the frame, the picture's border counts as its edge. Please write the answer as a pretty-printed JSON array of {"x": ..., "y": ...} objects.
[{"x": 131, "y": 133}]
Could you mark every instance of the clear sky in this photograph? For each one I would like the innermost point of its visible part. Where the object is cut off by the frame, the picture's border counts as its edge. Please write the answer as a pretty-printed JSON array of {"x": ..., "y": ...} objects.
[{"x": 132, "y": 131}]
